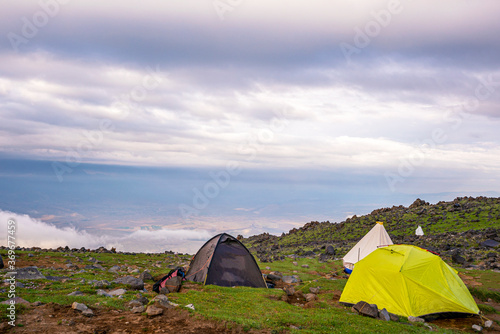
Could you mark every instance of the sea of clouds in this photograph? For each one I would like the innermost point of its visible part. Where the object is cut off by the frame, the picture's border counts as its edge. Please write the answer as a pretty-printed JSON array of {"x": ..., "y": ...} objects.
[{"x": 30, "y": 232}]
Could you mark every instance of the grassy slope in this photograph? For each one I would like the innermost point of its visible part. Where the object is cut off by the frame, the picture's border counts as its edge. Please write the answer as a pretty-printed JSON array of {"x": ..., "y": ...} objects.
[{"x": 472, "y": 214}]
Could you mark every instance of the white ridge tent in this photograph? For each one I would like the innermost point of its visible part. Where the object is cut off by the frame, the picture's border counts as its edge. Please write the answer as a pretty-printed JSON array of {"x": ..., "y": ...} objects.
[
  {"x": 419, "y": 230},
  {"x": 371, "y": 241}
]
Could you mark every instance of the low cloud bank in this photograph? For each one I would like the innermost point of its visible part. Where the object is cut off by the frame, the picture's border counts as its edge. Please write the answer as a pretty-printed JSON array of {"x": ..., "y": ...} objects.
[{"x": 31, "y": 232}]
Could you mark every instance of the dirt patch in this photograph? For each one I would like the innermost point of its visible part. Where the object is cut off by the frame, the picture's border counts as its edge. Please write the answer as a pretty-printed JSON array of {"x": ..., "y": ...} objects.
[{"x": 54, "y": 318}]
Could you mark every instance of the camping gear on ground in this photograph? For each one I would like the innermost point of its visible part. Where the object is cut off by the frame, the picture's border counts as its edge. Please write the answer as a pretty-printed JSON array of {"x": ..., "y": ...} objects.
[
  {"x": 172, "y": 281},
  {"x": 408, "y": 281},
  {"x": 419, "y": 231},
  {"x": 225, "y": 261},
  {"x": 376, "y": 237}
]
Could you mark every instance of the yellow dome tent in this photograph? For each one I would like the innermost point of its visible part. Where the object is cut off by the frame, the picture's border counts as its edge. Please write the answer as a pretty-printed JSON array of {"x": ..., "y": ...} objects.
[{"x": 408, "y": 281}]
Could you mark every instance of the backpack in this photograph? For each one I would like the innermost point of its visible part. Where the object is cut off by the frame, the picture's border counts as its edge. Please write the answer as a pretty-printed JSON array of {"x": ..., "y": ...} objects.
[{"x": 179, "y": 271}]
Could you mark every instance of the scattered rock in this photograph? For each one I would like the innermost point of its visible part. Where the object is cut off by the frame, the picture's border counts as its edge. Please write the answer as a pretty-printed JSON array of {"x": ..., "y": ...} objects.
[
  {"x": 488, "y": 323},
  {"x": 130, "y": 281},
  {"x": 88, "y": 313},
  {"x": 384, "y": 315},
  {"x": 37, "y": 303},
  {"x": 100, "y": 284},
  {"x": 101, "y": 292},
  {"x": 295, "y": 263},
  {"x": 415, "y": 319},
  {"x": 191, "y": 306},
  {"x": 17, "y": 300},
  {"x": 117, "y": 292},
  {"x": 458, "y": 259},
  {"x": 146, "y": 276},
  {"x": 154, "y": 311},
  {"x": 330, "y": 250},
  {"x": 162, "y": 300},
  {"x": 138, "y": 309},
  {"x": 79, "y": 306},
  {"x": 490, "y": 243},
  {"x": 369, "y": 310},
  {"x": 114, "y": 269},
  {"x": 174, "y": 284},
  {"x": 310, "y": 297},
  {"x": 477, "y": 328},
  {"x": 27, "y": 273},
  {"x": 76, "y": 293},
  {"x": 305, "y": 266},
  {"x": 314, "y": 290},
  {"x": 290, "y": 279}
]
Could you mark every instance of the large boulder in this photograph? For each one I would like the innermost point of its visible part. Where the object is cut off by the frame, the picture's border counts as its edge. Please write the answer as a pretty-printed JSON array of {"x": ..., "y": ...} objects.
[{"x": 130, "y": 281}]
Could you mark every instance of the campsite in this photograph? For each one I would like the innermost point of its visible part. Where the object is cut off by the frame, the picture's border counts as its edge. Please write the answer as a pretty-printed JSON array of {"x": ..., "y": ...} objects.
[{"x": 309, "y": 282}]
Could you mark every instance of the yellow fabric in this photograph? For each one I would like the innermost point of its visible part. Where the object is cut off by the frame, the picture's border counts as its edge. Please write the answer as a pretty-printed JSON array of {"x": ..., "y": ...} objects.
[{"x": 408, "y": 280}]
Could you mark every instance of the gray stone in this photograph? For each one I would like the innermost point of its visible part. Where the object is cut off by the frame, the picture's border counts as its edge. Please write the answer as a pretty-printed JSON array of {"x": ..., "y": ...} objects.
[
  {"x": 174, "y": 284},
  {"x": 273, "y": 278},
  {"x": 75, "y": 293},
  {"x": 17, "y": 300},
  {"x": 490, "y": 243},
  {"x": 162, "y": 300},
  {"x": 290, "y": 279},
  {"x": 79, "y": 306},
  {"x": 117, "y": 292},
  {"x": 146, "y": 276},
  {"x": 314, "y": 290},
  {"x": 154, "y": 311},
  {"x": 101, "y": 292},
  {"x": 134, "y": 271},
  {"x": 458, "y": 259},
  {"x": 88, "y": 313},
  {"x": 100, "y": 284},
  {"x": 384, "y": 315},
  {"x": 310, "y": 297},
  {"x": 114, "y": 269},
  {"x": 415, "y": 319},
  {"x": 19, "y": 285},
  {"x": 330, "y": 250},
  {"x": 477, "y": 328},
  {"x": 137, "y": 309},
  {"x": 488, "y": 323},
  {"x": 295, "y": 263},
  {"x": 366, "y": 309},
  {"x": 28, "y": 273},
  {"x": 130, "y": 281},
  {"x": 305, "y": 266}
]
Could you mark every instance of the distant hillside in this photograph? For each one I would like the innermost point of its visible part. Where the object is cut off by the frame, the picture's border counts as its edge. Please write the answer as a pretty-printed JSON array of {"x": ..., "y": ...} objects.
[{"x": 464, "y": 222}]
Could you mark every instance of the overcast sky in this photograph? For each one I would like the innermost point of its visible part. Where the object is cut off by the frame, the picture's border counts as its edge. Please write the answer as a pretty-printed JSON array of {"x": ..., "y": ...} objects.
[{"x": 403, "y": 91}]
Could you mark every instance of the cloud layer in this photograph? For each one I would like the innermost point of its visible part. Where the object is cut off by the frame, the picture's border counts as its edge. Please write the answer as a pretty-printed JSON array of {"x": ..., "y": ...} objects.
[{"x": 31, "y": 232}]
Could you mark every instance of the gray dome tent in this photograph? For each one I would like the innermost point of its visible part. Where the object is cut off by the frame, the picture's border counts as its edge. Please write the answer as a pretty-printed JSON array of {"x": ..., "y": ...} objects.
[{"x": 225, "y": 261}]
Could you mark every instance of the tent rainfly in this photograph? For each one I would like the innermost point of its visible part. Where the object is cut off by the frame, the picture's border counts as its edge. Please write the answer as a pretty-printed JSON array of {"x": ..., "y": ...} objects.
[
  {"x": 225, "y": 261},
  {"x": 419, "y": 230},
  {"x": 375, "y": 238},
  {"x": 408, "y": 281}
]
